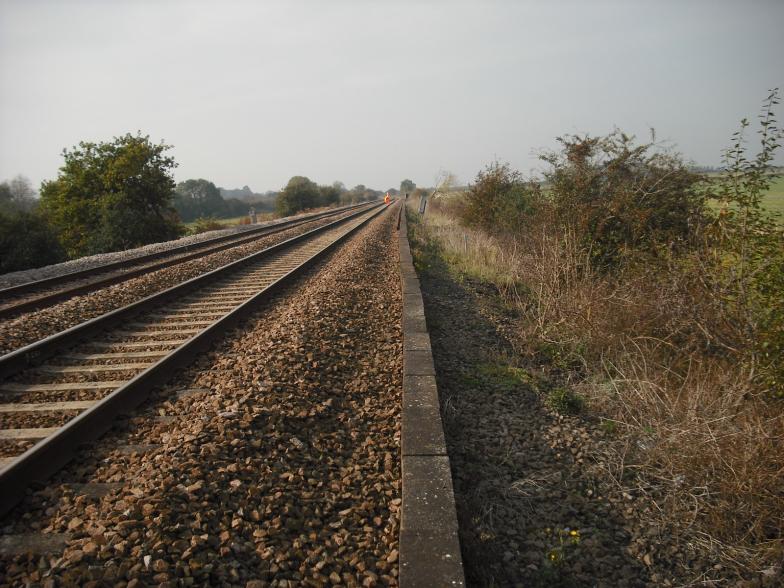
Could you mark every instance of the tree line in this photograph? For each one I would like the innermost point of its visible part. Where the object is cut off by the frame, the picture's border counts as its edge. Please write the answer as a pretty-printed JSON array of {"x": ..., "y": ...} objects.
[{"x": 117, "y": 195}]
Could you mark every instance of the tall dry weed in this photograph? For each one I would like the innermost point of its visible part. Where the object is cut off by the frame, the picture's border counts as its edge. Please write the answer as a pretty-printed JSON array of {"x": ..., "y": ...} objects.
[{"x": 642, "y": 348}]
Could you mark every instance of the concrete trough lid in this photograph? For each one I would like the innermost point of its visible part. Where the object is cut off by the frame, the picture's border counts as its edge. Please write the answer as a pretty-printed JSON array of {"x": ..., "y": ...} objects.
[{"x": 429, "y": 544}]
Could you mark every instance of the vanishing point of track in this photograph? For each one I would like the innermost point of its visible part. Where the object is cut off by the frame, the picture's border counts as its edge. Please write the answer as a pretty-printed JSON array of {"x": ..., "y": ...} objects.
[{"x": 72, "y": 385}]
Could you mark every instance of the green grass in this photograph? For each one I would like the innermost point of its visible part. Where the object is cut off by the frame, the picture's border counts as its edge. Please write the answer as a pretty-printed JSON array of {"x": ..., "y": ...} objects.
[
  {"x": 236, "y": 220},
  {"x": 773, "y": 200},
  {"x": 226, "y": 222}
]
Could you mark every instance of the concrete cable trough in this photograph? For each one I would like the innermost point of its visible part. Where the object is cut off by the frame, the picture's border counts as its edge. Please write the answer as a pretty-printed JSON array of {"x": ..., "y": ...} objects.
[{"x": 429, "y": 544}]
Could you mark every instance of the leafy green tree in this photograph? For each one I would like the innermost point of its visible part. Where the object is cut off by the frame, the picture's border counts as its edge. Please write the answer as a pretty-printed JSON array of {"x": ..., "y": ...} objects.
[
  {"x": 299, "y": 194},
  {"x": 407, "y": 186},
  {"x": 330, "y": 195},
  {"x": 26, "y": 241},
  {"x": 199, "y": 198},
  {"x": 111, "y": 196}
]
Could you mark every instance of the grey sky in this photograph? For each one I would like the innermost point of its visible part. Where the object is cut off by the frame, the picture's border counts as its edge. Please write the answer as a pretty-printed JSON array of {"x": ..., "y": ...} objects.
[{"x": 374, "y": 92}]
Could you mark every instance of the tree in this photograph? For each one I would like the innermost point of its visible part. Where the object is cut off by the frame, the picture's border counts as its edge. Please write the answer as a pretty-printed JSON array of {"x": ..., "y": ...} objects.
[
  {"x": 330, "y": 195},
  {"x": 17, "y": 195},
  {"x": 112, "y": 196},
  {"x": 199, "y": 198},
  {"x": 407, "y": 186},
  {"x": 299, "y": 194},
  {"x": 26, "y": 240}
]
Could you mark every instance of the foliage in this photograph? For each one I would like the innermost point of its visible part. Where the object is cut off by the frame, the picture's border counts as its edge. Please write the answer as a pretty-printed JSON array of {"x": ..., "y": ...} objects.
[
  {"x": 114, "y": 195},
  {"x": 17, "y": 195},
  {"x": 202, "y": 225},
  {"x": 500, "y": 200},
  {"x": 564, "y": 401},
  {"x": 198, "y": 198},
  {"x": 359, "y": 193},
  {"x": 330, "y": 195},
  {"x": 299, "y": 194},
  {"x": 624, "y": 198},
  {"x": 407, "y": 187},
  {"x": 26, "y": 241},
  {"x": 745, "y": 250},
  {"x": 666, "y": 317}
]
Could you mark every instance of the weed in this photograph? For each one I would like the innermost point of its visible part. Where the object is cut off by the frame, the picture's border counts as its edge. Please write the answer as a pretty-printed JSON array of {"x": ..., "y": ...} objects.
[
  {"x": 564, "y": 401},
  {"x": 562, "y": 541},
  {"x": 608, "y": 426}
]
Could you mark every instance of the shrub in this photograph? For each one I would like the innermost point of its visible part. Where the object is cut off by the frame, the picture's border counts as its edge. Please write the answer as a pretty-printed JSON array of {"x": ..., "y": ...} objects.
[
  {"x": 111, "y": 196},
  {"x": 622, "y": 198},
  {"x": 204, "y": 224},
  {"x": 27, "y": 241},
  {"x": 744, "y": 262},
  {"x": 500, "y": 200},
  {"x": 564, "y": 401}
]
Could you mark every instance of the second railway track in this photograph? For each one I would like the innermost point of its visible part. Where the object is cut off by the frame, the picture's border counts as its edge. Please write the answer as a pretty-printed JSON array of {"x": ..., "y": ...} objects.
[
  {"x": 37, "y": 294},
  {"x": 67, "y": 389}
]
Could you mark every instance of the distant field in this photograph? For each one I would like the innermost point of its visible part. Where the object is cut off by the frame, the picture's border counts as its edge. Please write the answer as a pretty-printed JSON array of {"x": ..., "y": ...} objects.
[
  {"x": 774, "y": 199},
  {"x": 230, "y": 222}
]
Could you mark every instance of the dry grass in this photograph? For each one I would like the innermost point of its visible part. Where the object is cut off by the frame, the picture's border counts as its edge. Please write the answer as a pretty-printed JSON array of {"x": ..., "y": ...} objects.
[{"x": 691, "y": 432}]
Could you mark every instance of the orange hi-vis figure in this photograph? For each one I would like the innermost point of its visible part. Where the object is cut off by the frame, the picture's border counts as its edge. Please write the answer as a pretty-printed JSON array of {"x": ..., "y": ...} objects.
[{"x": 387, "y": 199}]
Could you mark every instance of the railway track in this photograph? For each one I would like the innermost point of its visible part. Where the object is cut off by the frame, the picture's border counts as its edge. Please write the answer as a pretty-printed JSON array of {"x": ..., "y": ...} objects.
[
  {"x": 67, "y": 389},
  {"x": 38, "y": 294}
]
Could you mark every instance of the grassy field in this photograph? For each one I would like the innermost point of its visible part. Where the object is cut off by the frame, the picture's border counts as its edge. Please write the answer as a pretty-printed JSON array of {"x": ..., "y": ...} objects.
[
  {"x": 230, "y": 222},
  {"x": 774, "y": 199}
]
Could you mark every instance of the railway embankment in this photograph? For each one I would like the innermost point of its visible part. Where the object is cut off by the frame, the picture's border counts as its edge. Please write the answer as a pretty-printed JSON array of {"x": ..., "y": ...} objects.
[
  {"x": 547, "y": 492},
  {"x": 272, "y": 460}
]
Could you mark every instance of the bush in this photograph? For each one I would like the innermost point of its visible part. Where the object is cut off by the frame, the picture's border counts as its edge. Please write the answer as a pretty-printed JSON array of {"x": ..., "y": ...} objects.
[
  {"x": 564, "y": 401},
  {"x": 202, "y": 225},
  {"x": 620, "y": 198},
  {"x": 744, "y": 261},
  {"x": 500, "y": 200},
  {"x": 27, "y": 241},
  {"x": 680, "y": 357}
]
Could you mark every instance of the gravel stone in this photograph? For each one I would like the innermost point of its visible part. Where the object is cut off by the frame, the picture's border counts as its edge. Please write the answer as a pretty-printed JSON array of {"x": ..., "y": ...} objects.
[
  {"x": 283, "y": 470},
  {"x": 35, "y": 325}
]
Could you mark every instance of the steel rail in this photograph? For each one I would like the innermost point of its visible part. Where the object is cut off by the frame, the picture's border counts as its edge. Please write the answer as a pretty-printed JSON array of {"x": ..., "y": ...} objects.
[
  {"x": 39, "y": 462},
  {"x": 36, "y": 352},
  {"x": 206, "y": 247}
]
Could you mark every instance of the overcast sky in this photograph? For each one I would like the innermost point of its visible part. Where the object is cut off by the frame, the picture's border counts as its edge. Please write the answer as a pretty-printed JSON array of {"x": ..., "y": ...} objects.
[{"x": 374, "y": 92}]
